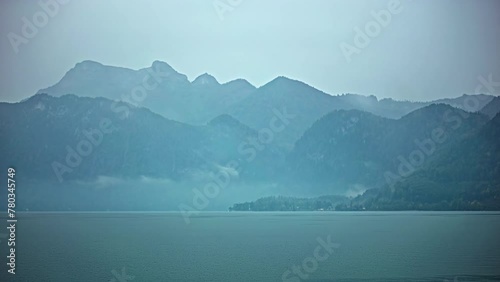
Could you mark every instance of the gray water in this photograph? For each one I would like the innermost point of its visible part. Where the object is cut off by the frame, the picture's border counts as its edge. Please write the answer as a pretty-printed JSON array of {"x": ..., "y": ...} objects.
[{"x": 382, "y": 246}]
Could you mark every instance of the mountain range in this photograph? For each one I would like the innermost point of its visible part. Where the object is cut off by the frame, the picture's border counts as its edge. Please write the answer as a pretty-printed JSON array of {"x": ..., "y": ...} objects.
[
  {"x": 103, "y": 122},
  {"x": 169, "y": 93},
  {"x": 464, "y": 175}
]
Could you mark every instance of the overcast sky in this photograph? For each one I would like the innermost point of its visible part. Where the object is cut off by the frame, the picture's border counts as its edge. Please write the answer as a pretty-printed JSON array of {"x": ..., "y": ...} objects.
[{"x": 428, "y": 50}]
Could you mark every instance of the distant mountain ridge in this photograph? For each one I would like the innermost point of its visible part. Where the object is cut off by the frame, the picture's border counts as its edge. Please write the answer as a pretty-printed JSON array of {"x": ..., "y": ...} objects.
[
  {"x": 463, "y": 176},
  {"x": 346, "y": 152},
  {"x": 170, "y": 94},
  {"x": 81, "y": 138},
  {"x": 101, "y": 123},
  {"x": 158, "y": 87},
  {"x": 352, "y": 149}
]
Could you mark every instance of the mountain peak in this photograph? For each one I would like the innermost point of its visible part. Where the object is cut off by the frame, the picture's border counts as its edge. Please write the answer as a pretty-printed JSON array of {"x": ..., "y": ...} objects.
[
  {"x": 160, "y": 64},
  {"x": 435, "y": 110},
  {"x": 205, "y": 79},
  {"x": 240, "y": 81},
  {"x": 37, "y": 97},
  {"x": 224, "y": 119},
  {"x": 163, "y": 67},
  {"x": 284, "y": 81},
  {"x": 88, "y": 65},
  {"x": 287, "y": 85},
  {"x": 167, "y": 70}
]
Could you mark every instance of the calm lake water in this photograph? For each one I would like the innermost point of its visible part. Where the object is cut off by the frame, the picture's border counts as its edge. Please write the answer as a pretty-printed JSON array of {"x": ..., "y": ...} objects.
[{"x": 367, "y": 246}]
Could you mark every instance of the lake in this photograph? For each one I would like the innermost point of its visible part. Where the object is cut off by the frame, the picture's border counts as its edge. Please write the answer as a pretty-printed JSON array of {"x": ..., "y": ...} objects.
[{"x": 245, "y": 246}]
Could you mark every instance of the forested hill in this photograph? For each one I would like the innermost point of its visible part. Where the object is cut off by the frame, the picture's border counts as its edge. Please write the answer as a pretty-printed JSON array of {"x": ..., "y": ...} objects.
[{"x": 463, "y": 176}]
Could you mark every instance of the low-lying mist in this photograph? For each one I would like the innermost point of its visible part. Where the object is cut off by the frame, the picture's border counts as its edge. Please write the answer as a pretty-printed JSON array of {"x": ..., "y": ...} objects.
[{"x": 142, "y": 194}]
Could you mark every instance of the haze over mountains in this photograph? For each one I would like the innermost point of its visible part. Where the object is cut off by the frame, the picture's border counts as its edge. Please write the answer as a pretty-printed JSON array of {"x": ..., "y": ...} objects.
[
  {"x": 355, "y": 147},
  {"x": 463, "y": 175},
  {"x": 165, "y": 91},
  {"x": 286, "y": 137}
]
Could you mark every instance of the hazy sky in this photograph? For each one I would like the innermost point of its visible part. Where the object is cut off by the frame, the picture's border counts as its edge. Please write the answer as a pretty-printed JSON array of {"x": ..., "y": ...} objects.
[{"x": 429, "y": 50}]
